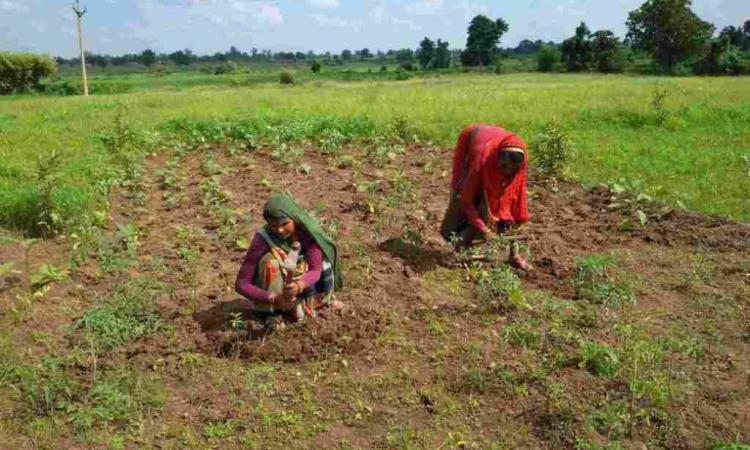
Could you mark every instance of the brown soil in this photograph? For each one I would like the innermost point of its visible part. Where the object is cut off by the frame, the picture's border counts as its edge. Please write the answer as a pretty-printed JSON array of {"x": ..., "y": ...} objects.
[{"x": 569, "y": 222}]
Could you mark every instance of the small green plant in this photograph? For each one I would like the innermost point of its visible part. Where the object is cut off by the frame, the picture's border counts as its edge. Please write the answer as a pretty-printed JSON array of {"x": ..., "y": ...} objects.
[
  {"x": 597, "y": 280},
  {"x": 500, "y": 288},
  {"x": 553, "y": 148},
  {"x": 289, "y": 156},
  {"x": 315, "y": 67},
  {"x": 601, "y": 360},
  {"x": 524, "y": 334},
  {"x": 236, "y": 321},
  {"x": 47, "y": 274},
  {"x": 659, "y": 105},
  {"x": 127, "y": 314},
  {"x": 46, "y": 173}
]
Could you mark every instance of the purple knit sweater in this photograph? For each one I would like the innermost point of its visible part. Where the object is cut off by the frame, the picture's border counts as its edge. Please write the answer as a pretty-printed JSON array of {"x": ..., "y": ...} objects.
[{"x": 259, "y": 247}]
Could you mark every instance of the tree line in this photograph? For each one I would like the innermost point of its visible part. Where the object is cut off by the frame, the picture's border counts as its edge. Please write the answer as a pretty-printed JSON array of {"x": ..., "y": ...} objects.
[
  {"x": 665, "y": 32},
  {"x": 668, "y": 31}
]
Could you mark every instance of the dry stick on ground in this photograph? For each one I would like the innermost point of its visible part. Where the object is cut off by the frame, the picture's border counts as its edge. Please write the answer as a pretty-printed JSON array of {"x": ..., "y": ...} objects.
[{"x": 79, "y": 14}]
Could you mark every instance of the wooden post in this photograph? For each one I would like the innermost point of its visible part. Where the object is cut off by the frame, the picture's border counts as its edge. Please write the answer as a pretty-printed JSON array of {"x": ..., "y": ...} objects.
[{"x": 79, "y": 14}]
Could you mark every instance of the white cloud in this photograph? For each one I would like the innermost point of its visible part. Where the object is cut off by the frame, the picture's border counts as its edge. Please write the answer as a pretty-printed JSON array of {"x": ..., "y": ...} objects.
[
  {"x": 325, "y": 3},
  {"x": 339, "y": 22},
  {"x": 425, "y": 7},
  {"x": 13, "y": 5},
  {"x": 470, "y": 9}
]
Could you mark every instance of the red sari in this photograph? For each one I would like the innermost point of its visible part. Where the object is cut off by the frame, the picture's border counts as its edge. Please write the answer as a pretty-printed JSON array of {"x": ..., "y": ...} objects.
[{"x": 476, "y": 177}]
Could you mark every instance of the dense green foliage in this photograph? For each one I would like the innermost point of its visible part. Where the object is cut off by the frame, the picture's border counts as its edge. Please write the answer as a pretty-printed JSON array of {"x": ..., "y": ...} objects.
[
  {"x": 668, "y": 29},
  {"x": 547, "y": 58},
  {"x": 483, "y": 36},
  {"x": 20, "y": 71}
]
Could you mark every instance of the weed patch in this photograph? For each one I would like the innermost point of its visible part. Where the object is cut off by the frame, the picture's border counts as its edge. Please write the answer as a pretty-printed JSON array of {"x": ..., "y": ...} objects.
[{"x": 128, "y": 314}]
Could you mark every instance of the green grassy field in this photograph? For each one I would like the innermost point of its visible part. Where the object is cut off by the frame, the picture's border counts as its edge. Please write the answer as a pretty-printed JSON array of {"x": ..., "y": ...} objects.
[
  {"x": 697, "y": 156},
  {"x": 127, "y": 335}
]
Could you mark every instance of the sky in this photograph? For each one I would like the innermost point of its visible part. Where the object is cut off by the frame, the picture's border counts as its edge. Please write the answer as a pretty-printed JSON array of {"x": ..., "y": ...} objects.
[{"x": 207, "y": 26}]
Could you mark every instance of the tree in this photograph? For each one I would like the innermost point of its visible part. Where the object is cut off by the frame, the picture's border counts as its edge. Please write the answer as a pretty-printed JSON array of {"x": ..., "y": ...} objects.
[
  {"x": 442, "y": 55},
  {"x": 733, "y": 35},
  {"x": 606, "y": 51},
  {"x": 576, "y": 51},
  {"x": 181, "y": 58},
  {"x": 148, "y": 58},
  {"x": 720, "y": 57},
  {"x": 483, "y": 36},
  {"x": 346, "y": 55},
  {"x": 547, "y": 58},
  {"x": 315, "y": 67},
  {"x": 426, "y": 54},
  {"x": 405, "y": 55},
  {"x": 669, "y": 30},
  {"x": 19, "y": 71},
  {"x": 365, "y": 53}
]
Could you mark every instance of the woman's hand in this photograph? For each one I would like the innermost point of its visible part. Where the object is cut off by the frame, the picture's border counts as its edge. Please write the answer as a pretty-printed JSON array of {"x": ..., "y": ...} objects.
[
  {"x": 488, "y": 235},
  {"x": 293, "y": 289},
  {"x": 281, "y": 302}
]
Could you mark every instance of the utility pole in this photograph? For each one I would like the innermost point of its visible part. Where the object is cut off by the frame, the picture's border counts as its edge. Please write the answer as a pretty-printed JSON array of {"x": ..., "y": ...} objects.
[{"x": 79, "y": 13}]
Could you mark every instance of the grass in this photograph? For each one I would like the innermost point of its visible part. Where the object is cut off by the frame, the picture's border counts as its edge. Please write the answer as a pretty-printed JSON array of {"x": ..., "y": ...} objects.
[
  {"x": 682, "y": 152},
  {"x": 465, "y": 357}
]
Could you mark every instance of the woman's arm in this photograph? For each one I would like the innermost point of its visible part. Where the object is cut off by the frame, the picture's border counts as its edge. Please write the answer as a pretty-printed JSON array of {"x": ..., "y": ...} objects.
[
  {"x": 314, "y": 258},
  {"x": 244, "y": 284},
  {"x": 471, "y": 188}
]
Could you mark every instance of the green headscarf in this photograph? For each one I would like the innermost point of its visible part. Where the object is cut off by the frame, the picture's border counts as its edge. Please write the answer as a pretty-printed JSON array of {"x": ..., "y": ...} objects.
[{"x": 283, "y": 206}]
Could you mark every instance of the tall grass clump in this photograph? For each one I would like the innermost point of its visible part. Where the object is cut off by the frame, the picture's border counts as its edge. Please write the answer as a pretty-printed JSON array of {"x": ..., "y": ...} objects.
[{"x": 41, "y": 205}]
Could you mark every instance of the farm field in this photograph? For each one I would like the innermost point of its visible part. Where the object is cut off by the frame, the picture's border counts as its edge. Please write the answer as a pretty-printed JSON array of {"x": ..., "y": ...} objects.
[{"x": 124, "y": 331}]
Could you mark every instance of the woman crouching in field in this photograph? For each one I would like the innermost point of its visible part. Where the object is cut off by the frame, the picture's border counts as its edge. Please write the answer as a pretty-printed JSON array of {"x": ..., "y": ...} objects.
[
  {"x": 488, "y": 188},
  {"x": 291, "y": 268}
]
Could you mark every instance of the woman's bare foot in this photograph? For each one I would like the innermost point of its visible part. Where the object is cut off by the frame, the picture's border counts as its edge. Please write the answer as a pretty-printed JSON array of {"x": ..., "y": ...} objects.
[{"x": 336, "y": 305}]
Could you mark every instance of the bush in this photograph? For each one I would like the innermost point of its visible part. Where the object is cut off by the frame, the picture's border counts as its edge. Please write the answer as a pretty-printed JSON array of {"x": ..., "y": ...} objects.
[
  {"x": 498, "y": 67},
  {"x": 227, "y": 67},
  {"x": 315, "y": 67},
  {"x": 553, "y": 148},
  {"x": 402, "y": 74},
  {"x": 548, "y": 59},
  {"x": 500, "y": 289},
  {"x": 408, "y": 67},
  {"x": 286, "y": 78},
  {"x": 20, "y": 71}
]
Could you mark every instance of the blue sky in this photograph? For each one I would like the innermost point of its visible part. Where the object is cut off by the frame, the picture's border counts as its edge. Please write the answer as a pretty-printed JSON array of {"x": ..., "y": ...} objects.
[{"x": 207, "y": 26}]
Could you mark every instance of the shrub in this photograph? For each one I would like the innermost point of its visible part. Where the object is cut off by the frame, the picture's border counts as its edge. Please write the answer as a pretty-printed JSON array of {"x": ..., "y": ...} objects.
[
  {"x": 659, "y": 105},
  {"x": 553, "y": 148},
  {"x": 500, "y": 289},
  {"x": 19, "y": 71},
  {"x": 315, "y": 67},
  {"x": 599, "y": 359},
  {"x": 408, "y": 67},
  {"x": 548, "y": 58},
  {"x": 227, "y": 67},
  {"x": 402, "y": 74},
  {"x": 286, "y": 78},
  {"x": 498, "y": 67}
]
